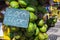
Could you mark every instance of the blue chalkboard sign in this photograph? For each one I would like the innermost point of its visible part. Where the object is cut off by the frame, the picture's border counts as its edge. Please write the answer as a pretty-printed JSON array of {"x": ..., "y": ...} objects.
[{"x": 16, "y": 17}]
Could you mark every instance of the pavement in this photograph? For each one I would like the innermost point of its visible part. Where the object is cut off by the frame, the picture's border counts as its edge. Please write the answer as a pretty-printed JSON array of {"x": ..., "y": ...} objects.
[{"x": 54, "y": 32}]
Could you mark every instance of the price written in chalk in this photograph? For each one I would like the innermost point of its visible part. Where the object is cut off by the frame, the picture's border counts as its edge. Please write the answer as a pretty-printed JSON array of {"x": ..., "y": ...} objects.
[{"x": 16, "y": 17}]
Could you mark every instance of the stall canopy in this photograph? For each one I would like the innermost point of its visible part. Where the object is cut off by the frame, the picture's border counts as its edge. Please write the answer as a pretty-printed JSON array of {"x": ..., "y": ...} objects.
[{"x": 56, "y": 0}]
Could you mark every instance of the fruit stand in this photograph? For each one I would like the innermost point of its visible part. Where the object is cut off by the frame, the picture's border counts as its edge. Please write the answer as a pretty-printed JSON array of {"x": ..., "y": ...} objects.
[{"x": 40, "y": 16}]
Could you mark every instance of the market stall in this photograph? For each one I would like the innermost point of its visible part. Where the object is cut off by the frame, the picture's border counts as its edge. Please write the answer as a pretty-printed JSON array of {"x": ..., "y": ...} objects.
[{"x": 27, "y": 19}]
